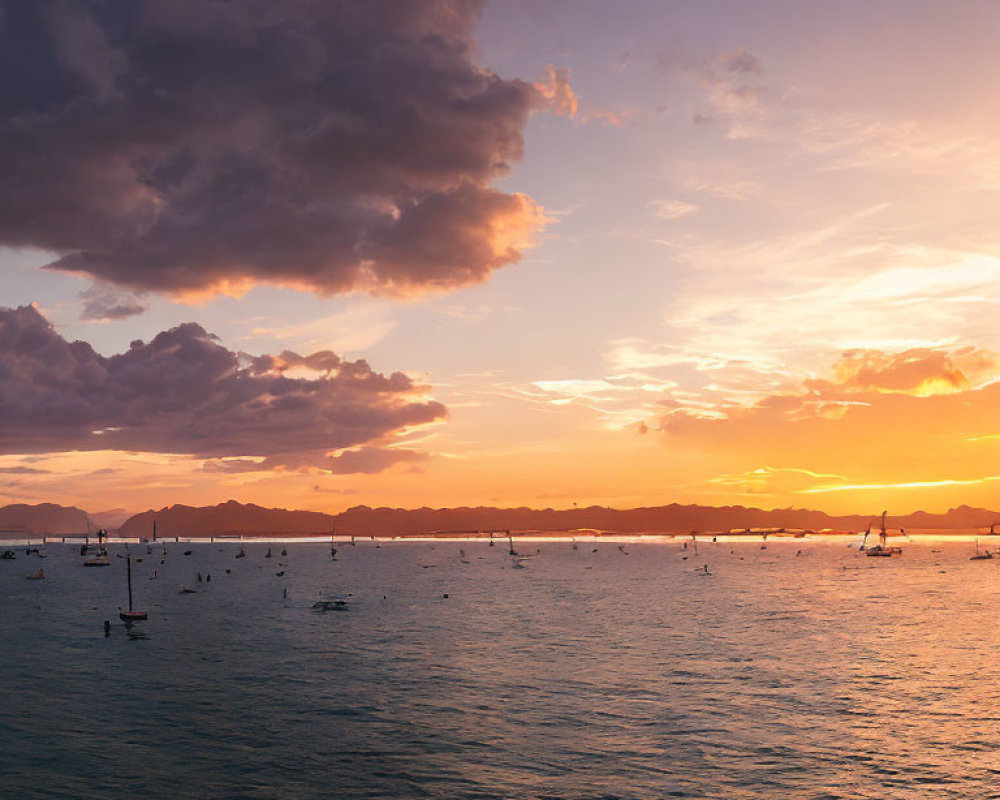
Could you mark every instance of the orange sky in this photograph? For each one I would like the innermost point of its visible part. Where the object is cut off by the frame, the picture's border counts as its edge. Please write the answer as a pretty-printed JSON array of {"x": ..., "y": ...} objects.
[{"x": 670, "y": 252}]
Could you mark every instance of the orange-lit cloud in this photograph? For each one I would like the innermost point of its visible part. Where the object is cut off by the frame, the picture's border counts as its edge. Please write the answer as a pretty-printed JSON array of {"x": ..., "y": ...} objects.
[
  {"x": 921, "y": 372},
  {"x": 883, "y": 421},
  {"x": 556, "y": 92}
]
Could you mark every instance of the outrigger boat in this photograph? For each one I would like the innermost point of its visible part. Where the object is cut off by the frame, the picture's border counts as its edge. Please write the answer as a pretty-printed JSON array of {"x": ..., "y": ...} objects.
[{"x": 882, "y": 549}]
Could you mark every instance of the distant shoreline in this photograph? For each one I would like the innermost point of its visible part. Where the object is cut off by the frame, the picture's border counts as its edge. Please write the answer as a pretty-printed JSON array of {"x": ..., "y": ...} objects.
[{"x": 17, "y": 538}]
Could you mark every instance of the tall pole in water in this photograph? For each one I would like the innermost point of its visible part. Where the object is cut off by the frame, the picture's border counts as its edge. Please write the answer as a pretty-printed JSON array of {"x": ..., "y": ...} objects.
[
  {"x": 154, "y": 530},
  {"x": 128, "y": 564}
]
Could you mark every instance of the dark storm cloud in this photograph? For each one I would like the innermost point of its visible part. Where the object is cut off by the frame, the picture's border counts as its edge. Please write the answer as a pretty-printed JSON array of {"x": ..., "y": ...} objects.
[
  {"x": 183, "y": 392},
  {"x": 183, "y": 145}
]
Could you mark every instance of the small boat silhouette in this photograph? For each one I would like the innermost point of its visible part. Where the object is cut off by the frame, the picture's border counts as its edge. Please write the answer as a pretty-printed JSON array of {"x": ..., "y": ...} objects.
[{"x": 330, "y": 605}]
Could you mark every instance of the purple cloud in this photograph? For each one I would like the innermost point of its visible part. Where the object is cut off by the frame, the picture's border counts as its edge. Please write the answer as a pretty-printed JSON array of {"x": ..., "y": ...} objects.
[
  {"x": 367, "y": 460},
  {"x": 372, "y": 459},
  {"x": 102, "y": 303},
  {"x": 182, "y": 145},
  {"x": 742, "y": 62},
  {"x": 183, "y": 392}
]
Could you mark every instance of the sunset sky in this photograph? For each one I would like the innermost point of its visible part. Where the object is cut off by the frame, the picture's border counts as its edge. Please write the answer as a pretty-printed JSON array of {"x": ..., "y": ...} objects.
[{"x": 319, "y": 254}]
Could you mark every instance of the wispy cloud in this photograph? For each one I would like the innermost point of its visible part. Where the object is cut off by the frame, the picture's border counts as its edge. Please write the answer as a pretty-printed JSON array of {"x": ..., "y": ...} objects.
[
  {"x": 358, "y": 328},
  {"x": 873, "y": 487},
  {"x": 671, "y": 209}
]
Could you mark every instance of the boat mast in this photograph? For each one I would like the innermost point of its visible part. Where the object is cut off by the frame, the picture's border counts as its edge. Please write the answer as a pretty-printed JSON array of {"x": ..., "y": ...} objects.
[
  {"x": 881, "y": 535},
  {"x": 128, "y": 564}
]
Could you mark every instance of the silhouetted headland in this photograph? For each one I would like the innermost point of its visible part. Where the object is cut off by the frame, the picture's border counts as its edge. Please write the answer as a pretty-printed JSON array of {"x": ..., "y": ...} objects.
[{"x": 236, "y": 519}]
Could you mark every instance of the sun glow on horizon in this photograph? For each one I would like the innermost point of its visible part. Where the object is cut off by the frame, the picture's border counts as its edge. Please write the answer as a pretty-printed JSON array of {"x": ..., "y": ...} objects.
[{"x": 536, "y": 258}]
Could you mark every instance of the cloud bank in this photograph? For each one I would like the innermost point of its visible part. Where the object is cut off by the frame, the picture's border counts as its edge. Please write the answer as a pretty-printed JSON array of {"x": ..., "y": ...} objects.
[
  {"x": 189, "y": 146},
  {"x": 185, "y": 393},
  {"x": 915, "y": 418}
]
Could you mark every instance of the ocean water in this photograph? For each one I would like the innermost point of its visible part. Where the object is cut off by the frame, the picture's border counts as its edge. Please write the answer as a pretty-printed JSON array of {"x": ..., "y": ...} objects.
[{"x": 616, "y": 673}]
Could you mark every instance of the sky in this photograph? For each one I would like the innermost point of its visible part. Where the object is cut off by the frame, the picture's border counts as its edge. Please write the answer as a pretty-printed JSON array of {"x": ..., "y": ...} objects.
[{"x": 324, "y": 254}]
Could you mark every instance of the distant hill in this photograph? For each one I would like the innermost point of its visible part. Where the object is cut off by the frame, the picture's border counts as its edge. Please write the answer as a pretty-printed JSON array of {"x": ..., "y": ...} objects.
[
  {"x": 673, "y": 518},
  {"x": 111, "y": 519},
  {"x": 238, "y": 518},
  {"x": 42, "y": 519},
  {"x": 225, "y": 518}
]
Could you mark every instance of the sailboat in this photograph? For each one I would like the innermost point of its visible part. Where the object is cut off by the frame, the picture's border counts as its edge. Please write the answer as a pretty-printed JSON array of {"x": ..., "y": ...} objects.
[
  {"x": 881, "y": 549},
  {"x": 517, "y": 560},
  {"x": 101, "y": 559},
  {"x": 981, "y": 555},
  {"x": 130, "y": 615}
]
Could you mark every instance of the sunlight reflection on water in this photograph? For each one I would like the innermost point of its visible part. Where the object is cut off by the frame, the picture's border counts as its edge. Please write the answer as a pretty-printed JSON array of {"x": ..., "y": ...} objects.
[{"x": 582, "y": 675}]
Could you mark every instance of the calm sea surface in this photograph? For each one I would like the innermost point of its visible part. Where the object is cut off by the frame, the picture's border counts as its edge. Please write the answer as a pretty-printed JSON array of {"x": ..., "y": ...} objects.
[{"x": 581, "y": 675}]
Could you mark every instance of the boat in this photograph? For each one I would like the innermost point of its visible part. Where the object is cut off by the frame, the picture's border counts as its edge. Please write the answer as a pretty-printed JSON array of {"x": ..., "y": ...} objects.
[
  {"x": 981, "y": 555},
  {"x": 882, "y": 549},
  {"x": 101, "y": 559},
  {"x": 35, "y": 576},
  {"x": 331, "y": 604},
  {"x": 131, "y": 615}
]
